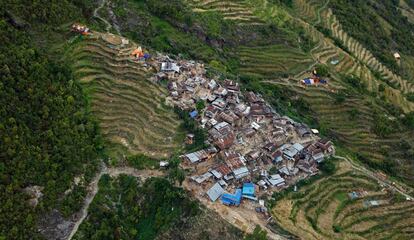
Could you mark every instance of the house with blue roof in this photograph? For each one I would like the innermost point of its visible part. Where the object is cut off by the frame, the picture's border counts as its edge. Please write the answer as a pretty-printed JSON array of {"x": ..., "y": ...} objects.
[
  {"x": 232, "y": 199},
  {"x": 248, "y": 189}
]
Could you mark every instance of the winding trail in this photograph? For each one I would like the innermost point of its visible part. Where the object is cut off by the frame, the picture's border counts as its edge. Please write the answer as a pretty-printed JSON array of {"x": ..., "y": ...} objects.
[
  {"x": 112, "y": 15},
  {"x": 297, "y": 76},
  {"x": 93, "y": 188},
  {"x": 319, "y": 13}
]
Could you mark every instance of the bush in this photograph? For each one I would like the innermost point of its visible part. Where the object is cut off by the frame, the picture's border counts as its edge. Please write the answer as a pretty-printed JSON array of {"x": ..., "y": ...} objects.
[{"x": 337, "y": 228}]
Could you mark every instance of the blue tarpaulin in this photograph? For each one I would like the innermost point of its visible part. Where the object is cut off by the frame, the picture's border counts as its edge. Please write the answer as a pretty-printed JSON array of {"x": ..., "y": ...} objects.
[
  {"x": 193, "y": 114},
  {"x": 232, "y": 199},
  {"x": 307, "y": 81}
]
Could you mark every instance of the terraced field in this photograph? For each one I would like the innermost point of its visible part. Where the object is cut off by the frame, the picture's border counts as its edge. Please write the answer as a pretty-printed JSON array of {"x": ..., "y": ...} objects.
[
  {"x": 129, "y": 108},
  {"x": 273, "y": 60},
  {"x": 325, "y": 210},
  {"x": 350, "y": 121},
  {"x": 365, "y": 55},
  {"x": 239, "y": 11}
]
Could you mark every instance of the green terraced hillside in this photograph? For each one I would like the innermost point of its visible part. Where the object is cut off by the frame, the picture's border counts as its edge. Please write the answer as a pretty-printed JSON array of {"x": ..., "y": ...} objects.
[{"x": 130, "y": 108}]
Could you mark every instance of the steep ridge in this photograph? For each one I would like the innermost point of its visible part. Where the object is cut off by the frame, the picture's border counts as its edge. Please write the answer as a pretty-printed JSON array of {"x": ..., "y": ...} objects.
[{"x": 129, "y": 108}]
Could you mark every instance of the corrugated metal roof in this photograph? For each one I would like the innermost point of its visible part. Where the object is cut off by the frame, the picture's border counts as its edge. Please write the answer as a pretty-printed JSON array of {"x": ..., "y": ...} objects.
[
  {"x": 248, "y": 189},
  {"x": 215, "y": 192}
]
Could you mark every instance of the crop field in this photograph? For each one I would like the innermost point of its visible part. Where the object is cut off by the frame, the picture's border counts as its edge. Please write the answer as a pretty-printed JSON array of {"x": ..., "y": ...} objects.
[
  {"x": 326, "y": 211},
  {"x": 129, "y": 108},
  {"x": 235, "y": 10},
  {"x": 273, "y": 60},
  {"x": 349, "y": 118}
]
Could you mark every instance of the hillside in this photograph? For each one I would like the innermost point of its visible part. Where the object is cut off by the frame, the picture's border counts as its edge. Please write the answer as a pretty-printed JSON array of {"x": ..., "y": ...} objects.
[
  {"x": 131, "y": 111},
  {"x": 367, "y": 104},
  {"x": 74, "y": 105}
]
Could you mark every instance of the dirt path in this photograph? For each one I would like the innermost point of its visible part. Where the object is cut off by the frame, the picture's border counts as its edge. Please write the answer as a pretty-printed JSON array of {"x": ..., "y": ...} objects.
[
  {"x": 93, "y": 188},
  {"x": 112, "y": 15},
  {"x": 319, "y": 13},
  {"x": 395, "y": 186}
]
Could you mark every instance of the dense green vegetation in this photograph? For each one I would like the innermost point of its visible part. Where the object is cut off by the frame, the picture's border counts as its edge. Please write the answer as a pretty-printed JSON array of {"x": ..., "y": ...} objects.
[
  {"x": 47, "y": 134},
  {"x": 190, "y": 126},
  {"x": 370, "y": 17},
  {"x": 125, "y": 210}
]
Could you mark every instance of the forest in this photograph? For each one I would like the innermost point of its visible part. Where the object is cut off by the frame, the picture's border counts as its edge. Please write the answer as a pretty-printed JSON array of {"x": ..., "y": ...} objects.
[
  {"x": 124, "y": 209},
  {"x": 47, "y": 134}
]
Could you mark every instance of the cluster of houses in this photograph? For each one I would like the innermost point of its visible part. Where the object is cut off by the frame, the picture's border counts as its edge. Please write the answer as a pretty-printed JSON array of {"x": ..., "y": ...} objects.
[{"x": 252, "y": 149}]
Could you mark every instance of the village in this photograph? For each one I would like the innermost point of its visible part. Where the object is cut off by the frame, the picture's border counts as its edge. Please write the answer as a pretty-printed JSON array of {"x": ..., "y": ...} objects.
[
  {"x": 250, "y": 151},
  {"x": 253, "y": 151}
]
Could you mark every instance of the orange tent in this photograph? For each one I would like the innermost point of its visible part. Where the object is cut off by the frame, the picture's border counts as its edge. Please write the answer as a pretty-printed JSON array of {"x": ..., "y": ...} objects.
[{"x": 138, "y": 52}]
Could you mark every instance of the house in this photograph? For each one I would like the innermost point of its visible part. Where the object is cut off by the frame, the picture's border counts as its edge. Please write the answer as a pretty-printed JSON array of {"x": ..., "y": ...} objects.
[
  {"x": 276, "y": 156},
  {"x": 220, "y": 103},
  {"x": 253, "y": 98},
  {"x": 196, "y": 157},
  {"x": 318, "y": 157},
  {"x": 248, "y": 189},
  {"x": 249, "y": 132},
  {"x": 327, "y": 146},
  {"x": 215, "y": 192},
  {"x": 262, "y": 184},
  {"x": 216, "y": 174},
  {"x": 275, "y": 180},
  {"x": 202, "y": 178},
  {"x": 255, "y": 126},
  {"x": 189, "y": 139},
  {"x": 232, "y": 86},
  {"x": 299, "y": 147},
  {"x": 170, "y": 67},
  {"x": 290, "y": 153},
  {"x": 224, "y": 170},
  {"x": 80, "y": 29},
  {"x": 303, "y": 130},
  {"x": 212, "y": 84},
  {"x": 253, "y": 155},
  {"x": 221, "y": 91},
  {"x": 270, "y": 147},
  {"x": 232, "y": 199},
  {"x": 211, "y": 111},
  {"x": 228, "y": 118},
  {"x": 241, "y": 172},
  {"x": 285, "y": 171},
  {"x": 226, "y": 141}
]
